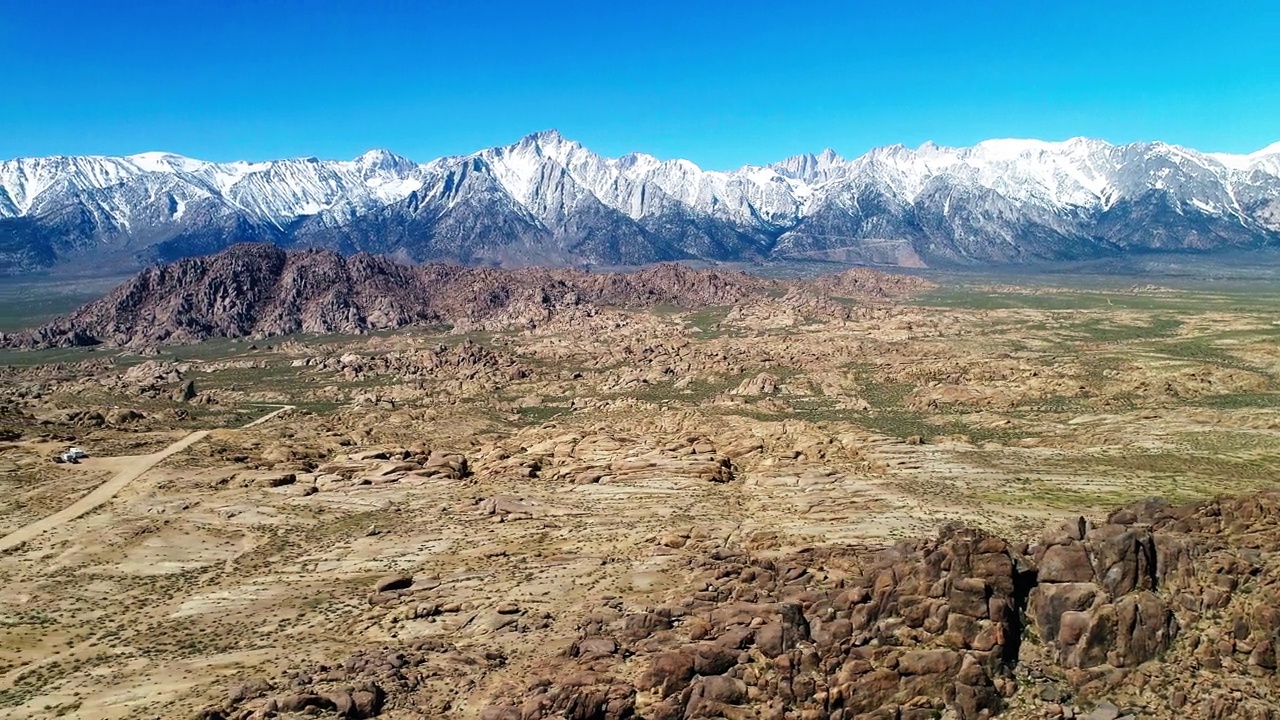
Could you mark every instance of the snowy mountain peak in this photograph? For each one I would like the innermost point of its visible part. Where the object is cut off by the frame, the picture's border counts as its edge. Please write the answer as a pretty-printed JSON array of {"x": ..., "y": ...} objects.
[
  {"x": 550, "y": 135},
  {"x": 164, "y": 162},
  {"x": 812, "y": 169},
  {"x": 998, "y": 200},
  {"x": 384, "y": 160},
  {"x": 898, "y": 151},
  {"x": 1006, "y": 148},
  {"x": 1272, "y": 149},
  {"x": 1266, "y": 160},
  {"x": 544, "y": 139}
]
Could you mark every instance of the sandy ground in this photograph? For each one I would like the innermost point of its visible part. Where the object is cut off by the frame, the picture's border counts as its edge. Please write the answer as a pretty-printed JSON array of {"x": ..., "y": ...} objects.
[
  {"x": 128, "y": 469},
  {"x": 595, "y": 456}
]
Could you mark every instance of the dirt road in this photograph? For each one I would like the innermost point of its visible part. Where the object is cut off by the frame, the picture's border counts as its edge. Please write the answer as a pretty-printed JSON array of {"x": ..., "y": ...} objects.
[
  {"x": 107, "y": 490},
  {"x": 270, "y": 415}
]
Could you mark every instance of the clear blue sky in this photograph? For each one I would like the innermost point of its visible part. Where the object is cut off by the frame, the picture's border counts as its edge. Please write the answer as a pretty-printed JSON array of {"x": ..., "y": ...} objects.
[{"x": 720, "y": 83}]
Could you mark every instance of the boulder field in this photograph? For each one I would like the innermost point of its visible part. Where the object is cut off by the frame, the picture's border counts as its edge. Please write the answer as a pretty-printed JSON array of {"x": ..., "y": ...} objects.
[{"x": 1157, "y": 612}]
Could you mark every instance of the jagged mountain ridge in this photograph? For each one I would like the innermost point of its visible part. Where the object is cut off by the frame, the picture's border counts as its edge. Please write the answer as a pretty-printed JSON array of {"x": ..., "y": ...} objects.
[{"x": 549, "y": 200}]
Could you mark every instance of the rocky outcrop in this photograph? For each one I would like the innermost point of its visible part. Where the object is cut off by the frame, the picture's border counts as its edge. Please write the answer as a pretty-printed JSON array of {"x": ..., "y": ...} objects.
[
  {"x": 245, "y": 290},
  {"x": 914, "y": 631},
  {"x": 259, "y": 290},
  {"x": 1095, "y": 601},
  {"x": 381, "y": 467},
  {"x": 421, "y": 677},
  {"x": 862, "y": 282},
  {"x": 762, "y": 384},
  {"x": 464, "y": 362},
  {"x": 590, "y": 459},
  {"x": 1167, "y": 612}
]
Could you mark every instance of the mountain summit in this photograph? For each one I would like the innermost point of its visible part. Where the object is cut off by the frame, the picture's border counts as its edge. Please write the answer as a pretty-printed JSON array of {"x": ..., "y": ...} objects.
[{"x": 549, "y": 200}]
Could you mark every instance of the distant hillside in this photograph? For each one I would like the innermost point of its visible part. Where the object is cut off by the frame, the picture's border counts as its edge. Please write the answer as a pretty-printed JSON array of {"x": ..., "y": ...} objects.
[{"x": 259, "y": 290}]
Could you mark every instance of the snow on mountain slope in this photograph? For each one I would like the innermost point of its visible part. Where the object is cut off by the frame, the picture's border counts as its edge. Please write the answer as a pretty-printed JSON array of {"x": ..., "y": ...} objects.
[
  {"x": 995, "y": 201},
  {"x": 276, "y": 192},
  {"x": 638, "y": 185}
]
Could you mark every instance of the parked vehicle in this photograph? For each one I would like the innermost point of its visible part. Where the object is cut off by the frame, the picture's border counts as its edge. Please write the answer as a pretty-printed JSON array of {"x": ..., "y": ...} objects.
[{"x": 73, "y": 455}]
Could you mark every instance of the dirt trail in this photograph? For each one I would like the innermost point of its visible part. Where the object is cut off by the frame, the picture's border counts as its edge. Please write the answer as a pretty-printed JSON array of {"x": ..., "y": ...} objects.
[
  {"x": 281, "y": 409},
  {"x": 131, "y": 469}
]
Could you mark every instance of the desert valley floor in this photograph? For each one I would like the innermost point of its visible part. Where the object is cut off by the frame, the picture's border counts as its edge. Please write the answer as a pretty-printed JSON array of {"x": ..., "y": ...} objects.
[{"x": 860, "y": 502}]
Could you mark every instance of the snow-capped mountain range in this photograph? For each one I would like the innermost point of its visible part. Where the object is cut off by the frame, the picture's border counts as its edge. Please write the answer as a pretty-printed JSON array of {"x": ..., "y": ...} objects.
[{"x": 549, "y": 200}]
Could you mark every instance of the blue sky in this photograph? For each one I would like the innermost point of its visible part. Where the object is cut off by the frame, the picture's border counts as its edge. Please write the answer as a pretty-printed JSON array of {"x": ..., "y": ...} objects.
[{"x": 720, "y": 83}]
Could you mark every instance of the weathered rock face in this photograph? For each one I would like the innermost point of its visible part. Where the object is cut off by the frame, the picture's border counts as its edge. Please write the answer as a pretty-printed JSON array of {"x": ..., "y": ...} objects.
[
  {"x": 418, "y": 677},
  {"x": 915, "y": 631},
  {"x": 1095, "y": 601},
  {"x": 1172, "y": 607},
  {"x": 608, "y": 459},
  {"x": 1170, "y": 611},
  {"x": 762, "y": 384},
  {"x": 413, "y": 464}
]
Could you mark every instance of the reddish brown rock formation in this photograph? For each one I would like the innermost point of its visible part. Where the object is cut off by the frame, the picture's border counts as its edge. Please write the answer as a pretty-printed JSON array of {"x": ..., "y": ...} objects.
[
  {"x": 258, "y": 290},
  {"x": 1169, "y": 610}
]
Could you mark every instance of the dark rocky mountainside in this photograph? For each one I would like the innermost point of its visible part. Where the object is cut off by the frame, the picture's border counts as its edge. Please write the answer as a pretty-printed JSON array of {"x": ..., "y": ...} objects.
[{"x": 259, "y": 290}]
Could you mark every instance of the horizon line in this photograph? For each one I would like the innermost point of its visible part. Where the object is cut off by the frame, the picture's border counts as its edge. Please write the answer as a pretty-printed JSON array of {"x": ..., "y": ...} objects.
[{"x": 1273, "y": 148}]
